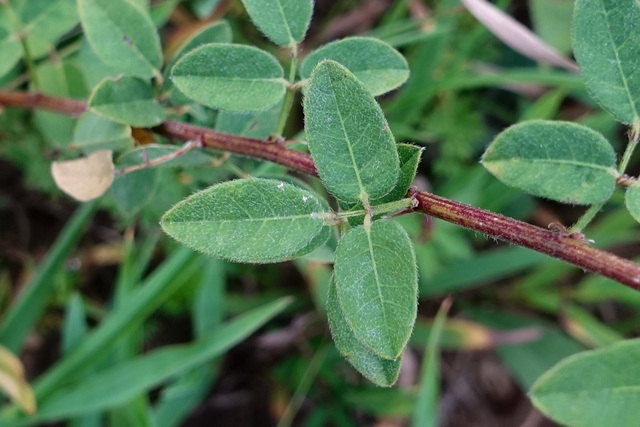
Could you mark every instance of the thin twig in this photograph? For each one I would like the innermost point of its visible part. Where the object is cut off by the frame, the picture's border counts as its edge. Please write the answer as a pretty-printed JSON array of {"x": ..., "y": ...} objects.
[
  {"x": 563, "y": 247},
  {"x": 188, "y": 146}
]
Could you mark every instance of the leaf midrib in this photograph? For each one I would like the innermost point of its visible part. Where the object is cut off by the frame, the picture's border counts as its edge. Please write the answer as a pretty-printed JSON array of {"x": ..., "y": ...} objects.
[
  {"x": 599, "y": 390},
  {"x": 609, "y": 169},
  {"x": 227, "y": 79},
  {"x": 132, "y": 47},
  {"x": 292, "y": 41},
  {"x": 129, "y": 103},
  {"x": 619, "y": 64},
  {"x": 377, "y": 279},
  {"x": 267, "y": 219},
  {"x": 363, "y": 191}
]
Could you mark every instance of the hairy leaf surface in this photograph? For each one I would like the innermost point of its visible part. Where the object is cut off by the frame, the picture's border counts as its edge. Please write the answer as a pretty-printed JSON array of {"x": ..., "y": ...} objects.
[
  {"x": 285, "y": 22},
  {"x": 44, "y": 21},
  {"x": 632, "y": 200},
  {"x": 382, "y": 372},
  {"x": 376, "y": 276},
  {"x": 592, "y": 388},
  {"x": 217, "y": 32},
  {"x": 248, "y": 220},
  {"x": 230, "y": 77},
  {"x": 127, "y": 100},
  {"x": 349, "y": 138},
  {"x": 606, "y": 43},
  {"x": 122, "y": 35},
  {"x": 376, "y": 64},
  {"x": 562, "y": 161}
]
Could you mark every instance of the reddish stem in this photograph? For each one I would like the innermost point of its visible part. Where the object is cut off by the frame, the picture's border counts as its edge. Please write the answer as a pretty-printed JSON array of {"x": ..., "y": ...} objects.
[{"x": 574, "y": 251}]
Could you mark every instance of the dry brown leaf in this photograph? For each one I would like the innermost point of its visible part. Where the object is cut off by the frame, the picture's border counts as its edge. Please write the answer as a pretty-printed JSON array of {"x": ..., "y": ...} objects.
[
  {"x": 85, "y": 178},
  {"x": 515, "y": 35},
  {"x": 13, "y": 382}
]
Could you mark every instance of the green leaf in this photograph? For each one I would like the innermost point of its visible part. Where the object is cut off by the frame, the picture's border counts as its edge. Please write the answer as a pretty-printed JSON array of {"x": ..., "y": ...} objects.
[
  {"x": 94, "y": 132},
  {"x": 127, "y": 100},
  {"x": 11, "y": 51},
  {"x": 632, "y": 200},
  {"x": 230, "y": 77},
  {"x": 593, "y": 388},
  {"x": 606, "y": 44},
  {"x": 382, "y": 372},
  {"x": 134, "y": 190},
  {"x": 123, "y": 382},
  {"x": 143, "y": 5},
  {"x": 160, "y": 12},
  {"x": 203, "y": 8},
  {"x": 562, "y": 161},
  {"x": 122, "y": 35},
  {"x": 349, "y": 138},
  {"x": 254, "y": 125},
  {"x": 95, "y": 70},
  {"x": 376, "y": 64},
  {"x": 44, "y": 21},
  {"x": 409, "y": 160},
  {"x": 285, "y": 22},
  {"x": 59, "y": 79},
  {"x": 217, "y": 32},
  {"x": 377, "y": 281},
  {"x": 248, "y": 220}
]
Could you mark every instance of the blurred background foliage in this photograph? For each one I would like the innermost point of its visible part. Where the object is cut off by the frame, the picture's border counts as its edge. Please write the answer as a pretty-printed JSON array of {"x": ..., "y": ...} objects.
[{"x": 515, "y": 313}]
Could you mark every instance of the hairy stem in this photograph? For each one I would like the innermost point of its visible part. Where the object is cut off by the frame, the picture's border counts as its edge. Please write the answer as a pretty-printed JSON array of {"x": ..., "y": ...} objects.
[
  {"x": 574, "y": 251},
  {"x": 586, "y": 218},
  {"x": 589, "y": 214}
]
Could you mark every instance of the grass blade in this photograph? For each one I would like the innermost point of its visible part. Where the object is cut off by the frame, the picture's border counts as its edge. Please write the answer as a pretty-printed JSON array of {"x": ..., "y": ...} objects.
[
  {"x": 426, "y": 412},
  {"x": 117, "y": 385},
  {"x": 22, "y": 315}
]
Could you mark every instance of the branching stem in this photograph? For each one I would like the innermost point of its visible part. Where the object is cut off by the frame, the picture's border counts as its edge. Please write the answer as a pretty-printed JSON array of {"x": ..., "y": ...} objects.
[
  {"x": 587, "y": 217},
  {"x": 334, "y": 218},
  {"x": 634, "y": 137},
  {"x": 188, "y": 146},
  {"x": 563, "y": 247}
]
